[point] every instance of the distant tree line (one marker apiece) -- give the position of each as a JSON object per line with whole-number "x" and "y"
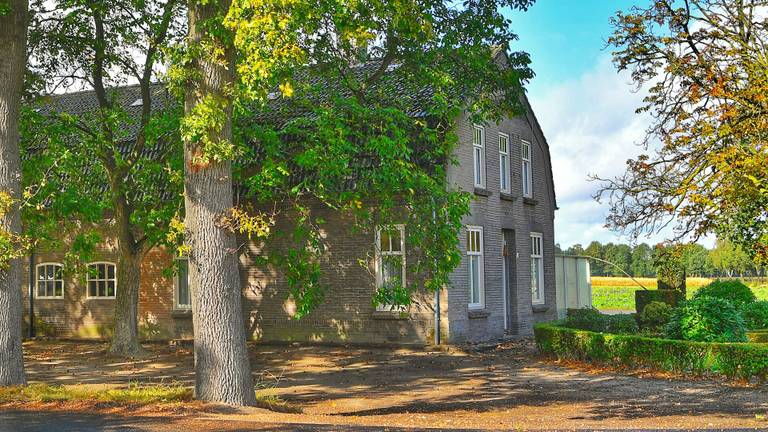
{"x": 724, "y": 260}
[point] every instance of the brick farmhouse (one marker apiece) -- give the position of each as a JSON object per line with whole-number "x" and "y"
{"x": 505, "y": 283}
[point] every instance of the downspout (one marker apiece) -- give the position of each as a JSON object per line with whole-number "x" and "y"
{"x": 32, "y": 293}
{"x": 437, "y": 291}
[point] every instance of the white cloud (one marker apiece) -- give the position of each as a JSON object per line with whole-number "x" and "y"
{"x": 592, "y": 128}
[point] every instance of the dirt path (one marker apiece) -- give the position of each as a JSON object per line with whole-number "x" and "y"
{"x": 509, "y": 388}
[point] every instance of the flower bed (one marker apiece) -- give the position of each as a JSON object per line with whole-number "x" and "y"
{"x": 748, "y": 361}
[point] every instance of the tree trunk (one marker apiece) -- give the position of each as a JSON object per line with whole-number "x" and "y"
{"x": 13, "y": 42}
{"x": 125, "y": 339}
{"x": 222, "y": 369}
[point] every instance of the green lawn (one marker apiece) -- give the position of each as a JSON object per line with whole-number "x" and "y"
{"x": 623, "y": 297}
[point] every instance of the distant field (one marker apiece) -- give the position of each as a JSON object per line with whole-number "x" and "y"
{"x": 619, "y": 293}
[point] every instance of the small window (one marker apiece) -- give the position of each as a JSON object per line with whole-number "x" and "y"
{"x": 390, "y": 260}
{"x": 476, "y": 267}
{"x": 50, "y": 281}
{"x": 182, "y": 294}
{"x": 102, "y": 280}
{"x": 537, "y": 269}
{"x": 504, "y": 163}
{"x": 478, "y": 155}
{"x": 527, "y": 169}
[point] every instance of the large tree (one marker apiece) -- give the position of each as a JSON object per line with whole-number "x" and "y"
{"x": 13, "y": 45}
{"x": 378, "y": 85}
{"x": 705, "y": 66}
{"x": 126, "y": 140}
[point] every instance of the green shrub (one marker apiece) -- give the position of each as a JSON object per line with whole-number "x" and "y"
{"x": 741, "y": 361}
{"x": 586, "y": 319}
{"x": 591, "y": 319}
{"x": 646, "y": 297}
{"x": 734, "y": 291}
{"x": 621, "y": 324}
{"x": 655, "y": 315}
{"x": 756, "y": 315}
{"x": 706, "y": 319}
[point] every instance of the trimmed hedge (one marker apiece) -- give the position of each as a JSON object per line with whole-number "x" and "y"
{"x": 733, "y": 360}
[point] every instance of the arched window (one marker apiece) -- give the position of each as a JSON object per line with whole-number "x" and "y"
{"x": 50, "y": 281}
{"x": 102, "y": 280}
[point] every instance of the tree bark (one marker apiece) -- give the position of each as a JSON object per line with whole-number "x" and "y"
{"x": 125, "y": 339}
{"x": 13, "y": 43}
{"x": 222, "y": 369}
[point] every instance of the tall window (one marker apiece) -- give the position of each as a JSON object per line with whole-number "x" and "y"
{"x": 183, "y": 297}
{"x": 478, "y": 152}
{"x": 390, "y": 259}
{"x": 50, "y": 281}
{"x": 527, "y": 171}
{"x": 537, "y": 269}
{"x": 102, "y": 281}
{"x": 476, "y": 267}
{"x": 504, "y": 163}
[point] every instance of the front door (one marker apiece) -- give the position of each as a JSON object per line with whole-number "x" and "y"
{"x": 509, "y": 260}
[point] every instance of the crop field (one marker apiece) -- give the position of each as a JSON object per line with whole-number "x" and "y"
{"x": 618, "y": 293}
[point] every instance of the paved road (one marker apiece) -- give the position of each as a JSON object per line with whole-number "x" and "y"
{"x": 23, "y": 421}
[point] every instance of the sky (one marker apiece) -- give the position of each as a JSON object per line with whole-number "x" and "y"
{"x": 585, "y": 107}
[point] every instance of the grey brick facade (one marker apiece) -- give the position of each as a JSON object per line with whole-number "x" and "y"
{"x": 348, "y": 315}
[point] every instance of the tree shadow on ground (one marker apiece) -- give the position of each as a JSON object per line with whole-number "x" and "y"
{"x": 354, "y": 381}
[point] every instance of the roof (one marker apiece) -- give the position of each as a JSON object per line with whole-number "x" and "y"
{"x": 278, "y": 111}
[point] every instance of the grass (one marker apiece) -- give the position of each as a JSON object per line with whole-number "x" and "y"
{"x": 134, "y": 394}
{"x": 619, "y": 293}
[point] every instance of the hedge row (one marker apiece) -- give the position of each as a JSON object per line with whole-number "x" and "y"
{"x": 734, "y": 360}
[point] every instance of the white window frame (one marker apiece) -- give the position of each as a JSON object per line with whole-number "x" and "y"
{"x": 537, "y": 259}
{"x": 89, "y": 278}
{"x": 176, "y": 304}
{"x": 37, "y": 281}
{"x": 504, "y": 170}
{"x": 526, "y": 156}
{"x": 478, "y": 151}
{"x": 480, "y": 303}
{"x": 380, "y": 254}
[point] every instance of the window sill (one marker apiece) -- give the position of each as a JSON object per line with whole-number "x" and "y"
{"x": 540, "y": 307}
{"x": 506, "y": 197}
{"x": 181, "y": 313}
{"x": 482, "y": 191}
{"x": 531, "y": 201}
{"x": 48, "y": 298}
{"x": 390, "y": 315}
{"x": 478, "y": 313}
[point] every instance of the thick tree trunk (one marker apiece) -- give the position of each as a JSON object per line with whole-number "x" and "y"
{"x": 222, "y": 368}
{"x": 125, "y": 340}
{"x": 13, "y": 42}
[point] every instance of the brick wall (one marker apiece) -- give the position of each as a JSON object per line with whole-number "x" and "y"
{"x": 496, "y": 213}
{"x": 347, "y": 315}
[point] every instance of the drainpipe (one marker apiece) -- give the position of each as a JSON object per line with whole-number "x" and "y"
{"x": 32, "y": 293}
{"x": 437, "y": 292}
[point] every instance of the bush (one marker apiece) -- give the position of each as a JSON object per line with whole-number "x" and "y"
{"x": 655, "y": 316}
{"x": 646, "y": 297}
{"x": 706, "y": 319}
{"x": 732, "y": 290}
{"x": 741, "y": 361}
{"x": 756, "y": 315}
{"x": 591, "y": 319}
{"x": 586, "y": 319}
{"x": 621, "y": 324}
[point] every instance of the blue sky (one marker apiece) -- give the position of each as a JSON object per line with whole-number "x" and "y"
{"x": 586, "y": 108}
